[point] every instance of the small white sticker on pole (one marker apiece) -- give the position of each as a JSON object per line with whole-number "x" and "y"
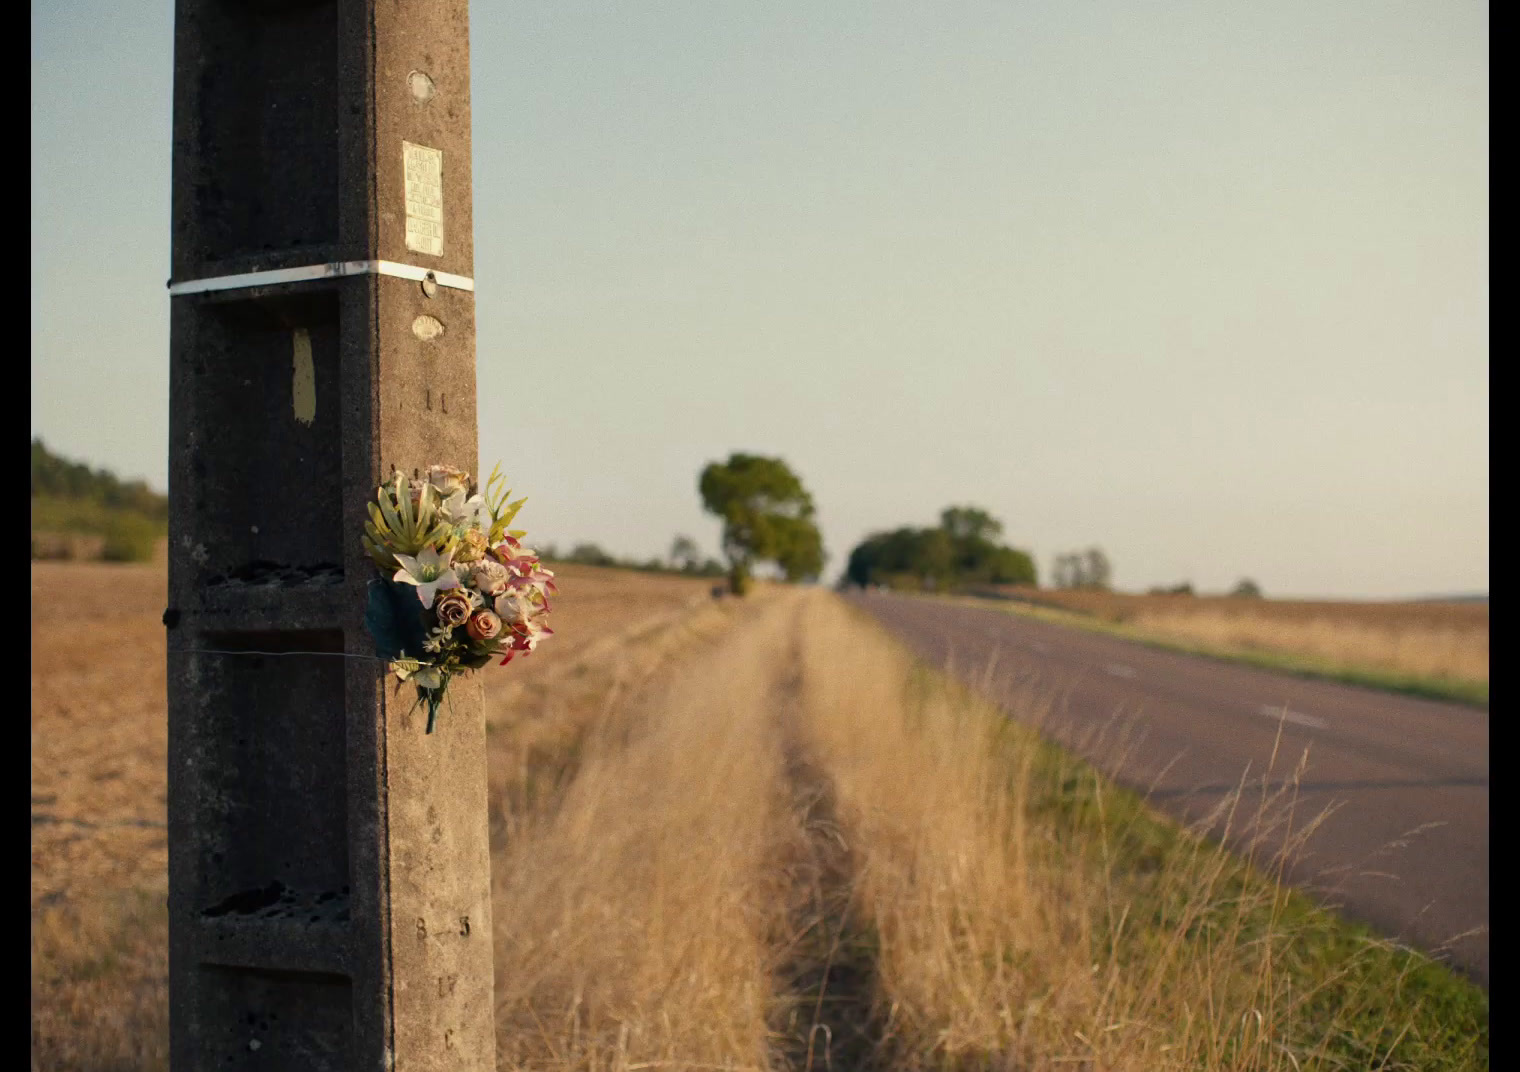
{"x": 424, "y": 198}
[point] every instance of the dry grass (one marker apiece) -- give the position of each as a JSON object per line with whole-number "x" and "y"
{"x": 795, "y": 849}
{"x": 635, "y": 907}
{"x": 1124, "y": 607}
{"x": 100, "y": 981}
{"x": 756, "y": 835}
{"x": 1025, "y": 916}
{"x": 1439, "y": 641}
{"x": 99, "y": 854}
{"x": 99, "y": 748}
{"x": 1455, "y": 649}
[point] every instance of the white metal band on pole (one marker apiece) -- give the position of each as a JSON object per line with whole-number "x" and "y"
{"x": 310, "y": 272}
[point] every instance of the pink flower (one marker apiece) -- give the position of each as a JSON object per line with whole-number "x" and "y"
{"x": 524, "y": 638}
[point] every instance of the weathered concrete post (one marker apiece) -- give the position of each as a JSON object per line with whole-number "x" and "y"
{"x": 329, "y": 874}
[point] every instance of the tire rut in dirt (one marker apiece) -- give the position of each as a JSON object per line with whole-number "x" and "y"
{"x": 831, "y": 1025}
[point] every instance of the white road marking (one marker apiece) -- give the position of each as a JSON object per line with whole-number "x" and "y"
{"x": 1292, "y": 716}
{"x": 1119, "y": 671}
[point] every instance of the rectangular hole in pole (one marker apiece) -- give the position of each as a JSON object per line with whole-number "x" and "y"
{"x": 268, "y": 126}
{"x": 273, "y": 782}
{"x": 268, "y": 465}
{"x": 253, "y": 1019}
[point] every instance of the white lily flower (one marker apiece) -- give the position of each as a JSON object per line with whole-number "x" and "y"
{"x": 457, "y": 510}
{"x": 429, "y": 571}
{"x": 480, "y": 512}
{"x": 453, "y": 507}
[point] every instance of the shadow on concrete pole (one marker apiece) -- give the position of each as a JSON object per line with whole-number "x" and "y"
{"x": 329, "y": 865}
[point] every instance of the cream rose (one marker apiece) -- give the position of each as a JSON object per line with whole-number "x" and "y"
{"x": 447, "y": 479}
{"x": 513, "y": 607}
{"x": 490, "y": 577}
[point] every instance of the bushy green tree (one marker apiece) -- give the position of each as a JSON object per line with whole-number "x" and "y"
{"x": 962, "y": 550}
{"x": 925, "y": 556}
{"x": 767, "y": 516}
{"x": 970, "y": 523}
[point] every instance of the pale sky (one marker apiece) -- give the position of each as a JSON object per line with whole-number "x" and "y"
{"x": 1203, "y": 284}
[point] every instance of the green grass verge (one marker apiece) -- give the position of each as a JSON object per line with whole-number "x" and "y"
{"x": 1455, "y": 690}
{"x": 1338, "y": 995}
{"x": 125, "y": 535}
{"x": 1366, "y": 1002}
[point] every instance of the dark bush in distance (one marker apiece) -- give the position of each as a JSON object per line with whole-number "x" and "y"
{"x": 961, "y": 551}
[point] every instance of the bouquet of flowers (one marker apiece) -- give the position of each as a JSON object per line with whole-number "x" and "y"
{"x": 459, "y": 587}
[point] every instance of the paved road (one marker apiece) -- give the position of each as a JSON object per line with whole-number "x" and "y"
{"x": 1390, "y": 764}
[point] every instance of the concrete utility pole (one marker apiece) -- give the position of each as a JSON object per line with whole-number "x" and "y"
{"x": 329, "y": 862}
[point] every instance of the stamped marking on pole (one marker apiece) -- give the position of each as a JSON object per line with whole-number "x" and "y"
{"x": 303, "y": 388}
{"x": 427, "y": 328}
{"x": 424, "y": 198}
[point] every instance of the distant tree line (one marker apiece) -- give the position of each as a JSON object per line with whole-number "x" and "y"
{"x": 79, "y": 512}
{"x": 1245, "y": 588}
{"x": 962, "y": 550}
{"x": 1183, "y": 589}
{"x": 63, "y": 479}
{"x": 685, "y": 558}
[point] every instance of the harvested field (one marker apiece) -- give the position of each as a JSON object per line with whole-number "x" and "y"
{"x": 99, "y": 850}
{"x": 99, "y": 749}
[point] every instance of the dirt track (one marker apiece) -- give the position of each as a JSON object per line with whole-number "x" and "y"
{"x": 1390, "y": 765}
